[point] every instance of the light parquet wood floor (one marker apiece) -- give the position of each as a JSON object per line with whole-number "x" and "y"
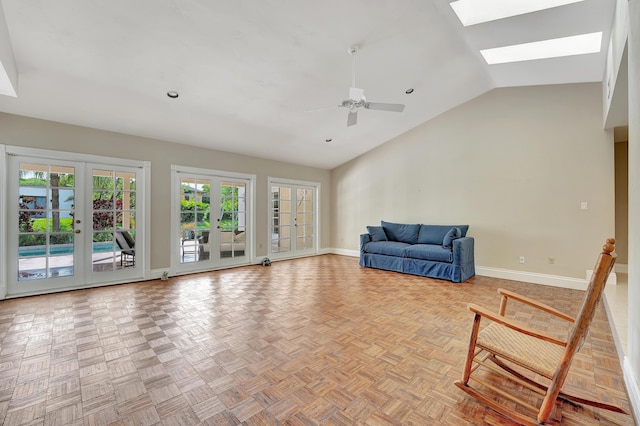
{"x": 309, "y": 341}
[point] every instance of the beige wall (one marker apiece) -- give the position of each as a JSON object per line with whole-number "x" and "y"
{"x": 28, "y": 132}
{"x": 514, "y": 164}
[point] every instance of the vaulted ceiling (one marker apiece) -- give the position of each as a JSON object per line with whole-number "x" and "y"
{"x": 248, "y": 72}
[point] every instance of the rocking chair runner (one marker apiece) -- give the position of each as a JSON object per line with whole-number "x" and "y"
{"x": 515, "y": 348}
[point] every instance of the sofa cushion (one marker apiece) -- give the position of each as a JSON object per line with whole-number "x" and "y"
{"x": 434, "y": 234}
{"x": 453, "y": 233}
{"x": 434, "y": 252}
{"x": 388, "y": 248}
{"x": 377, "y": 233}
{"x": 401, "y": 232}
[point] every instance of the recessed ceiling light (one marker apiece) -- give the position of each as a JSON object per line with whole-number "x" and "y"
{"x": 471, "y": 12}
{"x": 408, "y": 91}
{"x": 172, "y": 94}
{"x": 554, "y": 48}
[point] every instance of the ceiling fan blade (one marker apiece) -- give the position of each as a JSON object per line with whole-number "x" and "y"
{"x": 384, "y": 107}
{"x": 356, "y": 94}
{"x": 322, "y": 109}
{"x": 352, "y": 119}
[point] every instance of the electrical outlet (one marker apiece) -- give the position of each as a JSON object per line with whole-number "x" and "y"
{"x": 552, "y": 260}
{"x": 521, "y": 259}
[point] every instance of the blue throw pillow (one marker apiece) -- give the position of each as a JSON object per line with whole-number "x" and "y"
{"x": 401, "y": 232}
{"x": 433, "y": 234}
{"x": 377, "y": 233}
{"x": 463, "y": 230}
{"x": 451, "y": 235}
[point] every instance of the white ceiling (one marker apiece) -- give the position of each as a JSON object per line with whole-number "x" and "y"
{"x": 247, "y": 71}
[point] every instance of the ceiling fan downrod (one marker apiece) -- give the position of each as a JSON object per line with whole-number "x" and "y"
{"x": 352, "y": 51}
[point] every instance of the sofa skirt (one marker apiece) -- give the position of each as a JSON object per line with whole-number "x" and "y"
{"x": 423, "y": 268}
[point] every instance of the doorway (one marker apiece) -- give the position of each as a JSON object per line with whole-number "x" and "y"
{"x": 293, "y": 218}
{"x": 212, "y": 219}
{"x": 65, "y": 227}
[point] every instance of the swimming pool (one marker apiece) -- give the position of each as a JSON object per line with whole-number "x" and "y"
{"x": 62, "y": 249}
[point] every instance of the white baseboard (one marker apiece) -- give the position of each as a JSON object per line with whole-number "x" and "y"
{"x": 344, "y": 252}
{"x": 156, "y": 274}
{"x": 621, "y": 268}
{"x": 532, "y": 277}
{"x": 632, "y": 387}
{"x": 509, "y": 274}
{"x": 614, "y": 329}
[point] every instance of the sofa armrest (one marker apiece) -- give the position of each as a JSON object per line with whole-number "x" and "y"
{"x": 364, "y": 239}
{"x": 463, "y": 251}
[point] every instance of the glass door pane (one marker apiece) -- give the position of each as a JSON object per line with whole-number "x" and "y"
{"x": 195, "y": 226}
{"x": 232, "y": 220}
{"x": 304, "y": 219}
{"x": 46, "y": 246}
{"x": 281, "y": 219}
{"x": 113, "y": 220}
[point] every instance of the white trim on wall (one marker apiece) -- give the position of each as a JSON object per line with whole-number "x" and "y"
{"x": 621, "y": 268}
{"x": 532, "y": 277}
{"x": 509, "y": 274}
{"x": 3, "y": 223}
{"x": 632, "y": 387}
{"x": 146, "y": 172}
{"x": 74, "y": 156}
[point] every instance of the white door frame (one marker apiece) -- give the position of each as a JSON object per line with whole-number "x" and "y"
{"x": 142, "y": 198}
{"x": 316, "y": 217}
{"x": 3, "y": 222}
{"x": 177, "y": 268}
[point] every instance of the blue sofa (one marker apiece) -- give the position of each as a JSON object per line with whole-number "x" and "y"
{"x": 435, "y": 251}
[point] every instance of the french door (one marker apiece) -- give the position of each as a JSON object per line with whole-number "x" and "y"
{"x": 292, "y": 219}
{"x": 67, "y": 223}
{"x": 212, "y": 220}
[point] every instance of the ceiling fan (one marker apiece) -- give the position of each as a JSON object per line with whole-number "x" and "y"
{"x": 357, "y": 100}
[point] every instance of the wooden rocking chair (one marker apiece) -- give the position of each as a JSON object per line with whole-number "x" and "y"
{"x": 514, "y": 350}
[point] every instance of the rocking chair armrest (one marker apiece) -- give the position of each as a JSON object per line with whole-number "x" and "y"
{"x": 514, "y": 325}
{"x": 532, "y": 302}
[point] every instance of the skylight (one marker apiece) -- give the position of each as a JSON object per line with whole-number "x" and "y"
{"x": 6, "y": 85}
{"x": 554, "y": 48}
{"x": 471, "y": 12}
